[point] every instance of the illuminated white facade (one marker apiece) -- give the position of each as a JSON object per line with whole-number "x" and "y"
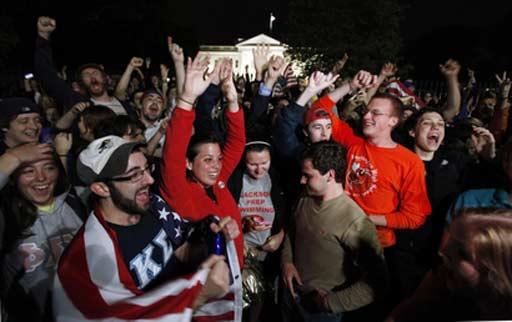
{"x": 241, "y": 53}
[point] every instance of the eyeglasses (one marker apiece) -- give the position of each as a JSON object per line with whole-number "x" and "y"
{"x": 137, "y": 174}
{"x": 373, "y": 113}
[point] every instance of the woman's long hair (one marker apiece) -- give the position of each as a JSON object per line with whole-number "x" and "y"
{"x": 488, "y": 238}
{"x": 20, "y": 214}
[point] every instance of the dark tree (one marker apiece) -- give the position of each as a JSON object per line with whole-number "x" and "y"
{"x": 320, "y": 31}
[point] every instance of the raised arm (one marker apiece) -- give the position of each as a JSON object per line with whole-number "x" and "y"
{"x": 259, "y": 103}
{"x": 341, "y": 131}
{"x": 291, "y": 117}
{"x": 500, "y": 120}
{"x": 13, "y": 158}
{"x": 45, "y": 70}
{"x": 122, "y": 85}
{"x": 362, "y": 80}
{"x": 179, "y": 64}
{"x": 340, "y": 63}
{"x": 318, "y": 81}
{"x": 451, "y": 70}
{"x": 204, "y": 123}
{"x": 235, "y": 139}
{"x": 388, "y": 70}
{"x": 178, "y": 134}
{"x": 260, "y": 57}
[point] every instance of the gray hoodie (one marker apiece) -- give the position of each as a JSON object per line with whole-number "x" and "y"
{"x": 33, "y": 261}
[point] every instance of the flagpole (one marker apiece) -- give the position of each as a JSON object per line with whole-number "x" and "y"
{"x": 272, "y": 18}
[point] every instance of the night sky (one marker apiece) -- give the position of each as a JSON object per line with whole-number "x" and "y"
{"x": 475, "y": 33}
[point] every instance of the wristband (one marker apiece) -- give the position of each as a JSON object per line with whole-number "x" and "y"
{"x": 184, "y": 100}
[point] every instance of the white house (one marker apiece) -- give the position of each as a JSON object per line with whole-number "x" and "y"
{"x": 241, "y": 53}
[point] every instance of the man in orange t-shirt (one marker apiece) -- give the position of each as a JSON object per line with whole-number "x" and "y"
{"x": 384, "y": 178}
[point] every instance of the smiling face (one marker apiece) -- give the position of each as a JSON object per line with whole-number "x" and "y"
{"x": 429, "y": 132}
{"x": 207, "y": 164}
{"x": 37, "y": 181}
{"x": 25, "y": 128}
{"x": 378, "y": 119}
{"x": 257, "y": 163}
{"x": 132, "y": 196}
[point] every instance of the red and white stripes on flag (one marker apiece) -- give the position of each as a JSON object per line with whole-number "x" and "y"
{"x": 398, "y": 89}
{"x": 94, "y": 284}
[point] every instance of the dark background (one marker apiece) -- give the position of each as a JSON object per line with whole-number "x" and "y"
{"x": 111, "y": 32}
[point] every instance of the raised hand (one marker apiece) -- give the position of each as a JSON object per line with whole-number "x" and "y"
{"x": 388, "y": 70}
{"x": 136, "y": 62}
{"x": 260, "y": 54}
{"x": 45, "y": 26}
{"x": 63, "y": 142}
{"x": 450, "y": 69}
{"x": 318, "y": 81}
{"x": 471, "y": 74}
{"x": 176, "y": 51}
{"x": 164, "y": 72}
{"x": 276, "y": 67}
{"x": 504, "y": 83}
{"x": 363, "y": 79}
{"x": 196, "y": 80}
{"x": 215, "y": 77}
{"x": 291, "y": 79}
{"x": 483, "y": 142}
{"x": 340, "y": 63}
{"x": 227, "y": 85}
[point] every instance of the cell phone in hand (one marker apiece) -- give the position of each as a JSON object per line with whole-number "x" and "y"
{"x": 29, "y": 76}
{"x": 259, "y": 220}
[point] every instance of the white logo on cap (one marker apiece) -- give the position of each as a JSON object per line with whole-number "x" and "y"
{"x": 25, "y": 109}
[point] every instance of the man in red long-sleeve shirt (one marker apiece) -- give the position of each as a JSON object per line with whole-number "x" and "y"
{"x": 384, "y": 178}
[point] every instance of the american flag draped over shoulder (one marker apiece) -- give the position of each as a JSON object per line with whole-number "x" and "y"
{"x": 94, "y": 284}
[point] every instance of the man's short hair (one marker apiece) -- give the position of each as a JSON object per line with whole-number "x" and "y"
{"x": 88, "y": 65}
{"x": 327, "y": 155}
{"x": 413, "y": 120}
{"x": 396, "y": 103}
{"x": 149, "y": 92}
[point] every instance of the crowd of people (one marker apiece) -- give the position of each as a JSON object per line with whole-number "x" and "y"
{"x": 202, "y": 195}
